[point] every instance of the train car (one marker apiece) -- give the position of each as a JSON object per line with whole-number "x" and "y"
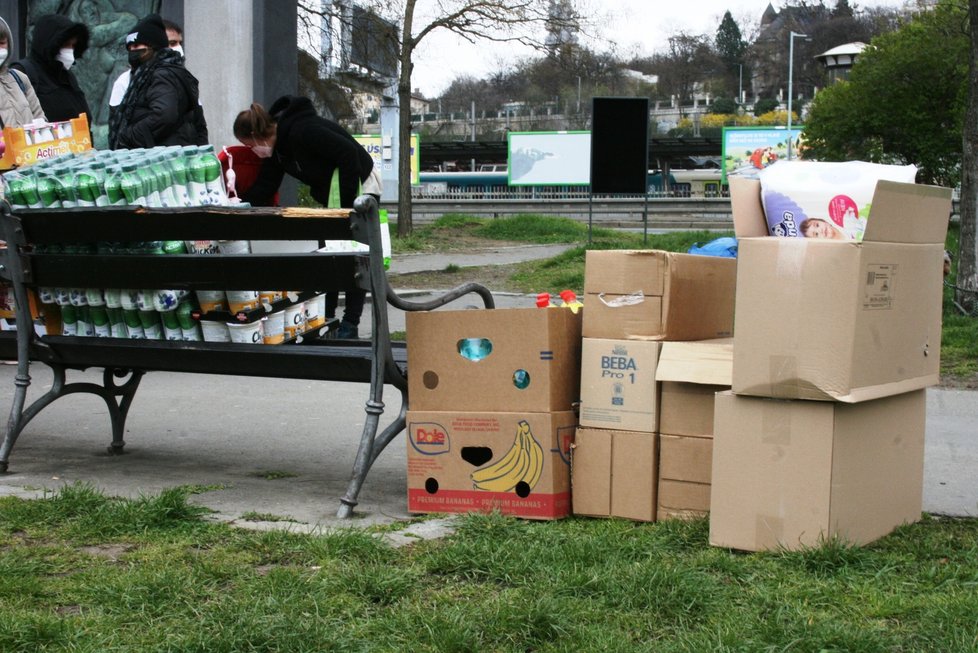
{"x": 494, "y": 184}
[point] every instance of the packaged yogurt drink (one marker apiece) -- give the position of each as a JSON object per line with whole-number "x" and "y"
{"x": 816, "y": 199}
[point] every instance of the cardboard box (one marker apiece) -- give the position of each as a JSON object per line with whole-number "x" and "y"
{"x": 840, "y": 320}
{"x": 689, "y": 374}
{"x": 649, "y": 294}
{"x": 685, "y": 473}
{"x": 793, "y": 473}
{"x": 614, "y": 474}
{"x": 517, "y": 463}
{"x": 532, "y": 364}
{"x": 686, "y": 458}
{"x": 29, "y": 144}
{"x": 618, "y": 389}
{"x": 683, "y": 499}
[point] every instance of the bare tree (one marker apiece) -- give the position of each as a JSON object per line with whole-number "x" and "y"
{"x": 520, "y": 21}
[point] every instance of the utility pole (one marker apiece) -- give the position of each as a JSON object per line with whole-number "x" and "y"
{"x": 791, "y": 63}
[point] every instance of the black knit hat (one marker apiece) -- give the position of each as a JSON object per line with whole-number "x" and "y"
{"x": 149, "y": 31}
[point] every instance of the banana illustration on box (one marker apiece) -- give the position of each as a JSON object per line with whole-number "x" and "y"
{"x": 523, "y": 462}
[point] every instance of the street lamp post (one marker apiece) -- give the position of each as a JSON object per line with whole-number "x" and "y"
{"x": 791, "y": 67}
{"x": 740, "y": 89}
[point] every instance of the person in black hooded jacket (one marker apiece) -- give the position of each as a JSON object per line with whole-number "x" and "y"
{"x": 161, "y": 105}
{"x": 56, "y": 43}
{"x": 293, "y": 139}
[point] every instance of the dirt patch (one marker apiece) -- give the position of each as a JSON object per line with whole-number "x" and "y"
{"x": 111, "y": 552}
{"x": 493, "y": 277}
{"x": 959, "y": 382}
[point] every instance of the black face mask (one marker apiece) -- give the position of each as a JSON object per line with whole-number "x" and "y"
{"x": 135, "y": 58}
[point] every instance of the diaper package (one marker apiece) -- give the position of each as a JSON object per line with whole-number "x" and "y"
{"x": 814, "y": 199}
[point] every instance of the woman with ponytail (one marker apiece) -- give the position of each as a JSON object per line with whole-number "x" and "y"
{"x": 291, "y": 138}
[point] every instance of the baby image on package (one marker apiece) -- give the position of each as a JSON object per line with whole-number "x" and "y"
{"x": 814, "y": 199}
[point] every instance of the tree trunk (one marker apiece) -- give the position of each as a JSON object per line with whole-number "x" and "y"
{"x": 405, "y": 221}
{"x": 967, "y": 278}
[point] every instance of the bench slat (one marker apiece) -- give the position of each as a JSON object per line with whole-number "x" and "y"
{"x": 344, "y": 361}
{"x": 198, "y": 223}
{"x": 309, "y": 271}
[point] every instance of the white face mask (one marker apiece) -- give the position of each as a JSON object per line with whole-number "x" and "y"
{"x": 178, "y": 49}
{"x": 262, "y": 151}
{"x": 4, "y": 53}
{"x": 66, "y": 56}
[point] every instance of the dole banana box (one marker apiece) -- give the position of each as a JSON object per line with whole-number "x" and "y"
{"x": 516, "y": 463}
{"x": 656, "y": 295}
{"x": 513, "y": 360}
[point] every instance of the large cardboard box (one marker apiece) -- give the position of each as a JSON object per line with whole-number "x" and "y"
{"x": 514, "y": 360}
{"x": 613, "y": 474}
{"x": 517, "y": 463}
{"x": 793, "y": 473}
{"x": 841, "y": 320}
{"x": 618, "y": 389}
{"x": 689, "y": 375}
{"x": 650, "y": 294}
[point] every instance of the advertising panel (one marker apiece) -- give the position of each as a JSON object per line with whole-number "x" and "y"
{"x": 374, "y": 144}
{"x": 749, "y": 149}
{"x": 549, "y": 158}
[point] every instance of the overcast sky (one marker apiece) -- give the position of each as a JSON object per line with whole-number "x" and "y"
{"x": 638, "y": 27}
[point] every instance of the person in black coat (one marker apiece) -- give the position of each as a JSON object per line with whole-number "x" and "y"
{"x": 56, "y": 43}
{"x": 161, "y": 105}
{"x": 293, "y": 139}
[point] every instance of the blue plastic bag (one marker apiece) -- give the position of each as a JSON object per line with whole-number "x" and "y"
{"x": 726, "y": 247}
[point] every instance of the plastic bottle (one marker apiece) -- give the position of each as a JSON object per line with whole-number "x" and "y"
{"x": 65, "y": 178}
{"x": 177, "y": 163}
{"x": 151, "y": 186}
{"x": 86, "y": 188}
{"x": 14, "y": 191}
{"x": 113, "y": 186}
{"x": 47, "y": 191}
{"x": 69, "y": 320}
{"x": 134, "y": 326}
{"x": 100, "y": 322}
{"x": 196, "y": 176}
{"x": 95, "y": 297}
{"x": 188, "y": 325}
{"x": 84, "y": 325}
{"x": 171, "y": 326}
{"x": 29, "y": 191}
{"x": 168, "y": 195}
{"x": 214, "y": 181}
{"x": 117, "y": 323}
{"x": 151, "y": 325}
{"x": 132, "y": 186}
{"x": 97, "y": 169}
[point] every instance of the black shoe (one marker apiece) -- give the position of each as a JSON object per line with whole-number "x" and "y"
{"x": 347, "y": 331}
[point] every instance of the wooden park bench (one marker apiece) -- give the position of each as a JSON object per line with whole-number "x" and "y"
{"x": 28, "y": 267}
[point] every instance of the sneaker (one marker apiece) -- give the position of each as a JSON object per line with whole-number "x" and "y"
{"x": 347, "y": 331}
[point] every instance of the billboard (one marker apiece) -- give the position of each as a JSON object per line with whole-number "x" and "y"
{"x": 373, "y": 42}
{"x": 746, "y": 150}
{"x": 374, "y": 144}
{"x": 549, "y": 158}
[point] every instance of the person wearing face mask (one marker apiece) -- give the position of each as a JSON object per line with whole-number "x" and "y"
{"x": 18, "y": 102}
{"x": 56, "y": 43}
{"x": 161, "y": 105}
{"x": 293, "y": 139}
{"x": 174, "y": 39}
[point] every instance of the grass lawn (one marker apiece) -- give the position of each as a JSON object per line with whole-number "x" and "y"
{"x": 84, "y": 573}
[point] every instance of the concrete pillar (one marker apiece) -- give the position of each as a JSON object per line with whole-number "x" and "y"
{"x": 229, "y": 46}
